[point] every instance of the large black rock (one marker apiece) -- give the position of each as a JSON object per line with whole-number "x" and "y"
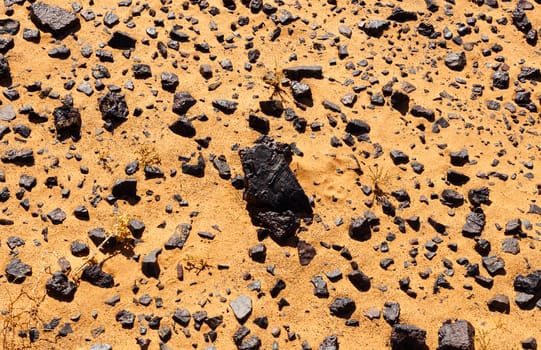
{"x": 456, "y": 336}
{"x": 274, "y": 196}
{"x": 113, "y": 108}
{"x": 67, "y": 121}
{"x": 96, "y": 276}
{"x": 60, "y": 287}
{"x": 53, "y": 19}
{"x": 408, "y": 337}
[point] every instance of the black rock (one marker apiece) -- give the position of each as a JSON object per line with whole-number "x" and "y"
{"x": 520, "y": 20}
{"x": 183, "y": 127}
{"x": 300, "y": 90}
{"x": 475, "y": 223}
{"x": 258, "y": 253}
{"x": 150, "y": 266}
{"x": 357, "y": 127}
{"x": 125, "y": 318}
{"x": 122, "y": 41}
{"x": 420, "y": 111}
{"x": 197, "y": 170}
{"x": 329, "y": 343}
{"x": 529, "y": 343}
{"x": 431, "y": 5}
{"x": 81, "y": 213}
{"x": 17, "y": 271}
{"x": 79, "y": 249}
{"x": 478, "y": 196}
{"x": 60, "y": 287}
{"x": 21, "y": 156}
{"x": 459, "y": 158}
{"x": 274, "y": 108}
{"x": 5, "y": 72}
{"x": 499, "y": 303}
{"x": 320, "y": 287}
{"x": 399, "y": 157}
{"x": 67, "y": 121}
{"x": 530, "y": 283}
{"x": 400, "y": 101}
{"x": 9, "y": 26}
{"x": 53, "y": 19}
{"x": 342, "y": 307}
{"x": 178, "y": 35}
{"x": 252, "y": 343}
{"x": 299, "y": 72}
{"x": 220, "y": 163}
{"x": 456, "y": 336}
{"x": 456, "y": 178}
{"x": 513, "y": 227}
{"x": 182, "y": 317}
{"x": 169, "y": 81}
{"x": 6, "y": 44}
{"x": 306, "y": 252}
{"x": 426, "y": 29}
{"x": 179, "y": 237}
{"x": 113, "y": 107}
{"x": 27, "y": 182}
{"x": 391, "y": 312}
{"x": 494, "y": 265}
{"x": 360, "y": 229}
{"x": 136, "y": 227}
{"x": 57, "y": 216}
{"x": 182, "y": 102}
{"x": 400, "y": 15}
{"x": 451, "y": 198}
{"x": 529, "y": 73}
{"x": 408, "y": 337}
{"x": 61, "y": 52}
{"x": 455, "y": 60}
{"x": 225, "y": 106}
{"x": 110, "y": 19}
{"x": 125, "y": 189}
{"x": 258, "y": 123}
{"x": 375, "y": 28}
{"x": 278, "y": 286}
{"x": 500, "y": 79}
{"x": 96, "y": 276}
{"x": 271, "y": 190}
{"x": 132, "y": 167}
{"x": 359, "y": 280}
{"x": 141, "y": 71}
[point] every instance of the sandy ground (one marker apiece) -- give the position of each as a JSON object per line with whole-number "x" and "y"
{"x": 326, "y": 173}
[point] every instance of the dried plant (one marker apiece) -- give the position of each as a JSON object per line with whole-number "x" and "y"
{"x": 379, "y": 179}
{"x": 104, "y": 159}
{"x": 197, "y": 264}
{"x": 120, "y": 232}
{"x": 148, "y": 155}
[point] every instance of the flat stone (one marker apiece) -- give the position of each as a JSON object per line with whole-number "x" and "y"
{"x": 53, "y": 19}
{"x": 242, "y": 307}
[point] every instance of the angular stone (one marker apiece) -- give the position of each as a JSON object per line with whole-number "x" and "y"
{"x": 359, "y": 280}
{"x": 125, "y": 189}
{"x": 67, "y": 121}
{"x": 494, "y": 265}
{"x": 499, "y": 303}
{"x": 455, "y": 60}
{"x": 475, "y": 223}
{"x": 391, "y": 312}
{"x": 300, "y": 72}
{"x": 113, "y": 106}
{"x": 225, "y": 106}
{"x": 408, "y": 337}
{"x": 320, "y": 287}
{"x": 375, "y": 27}
{"x": 357, "y": 127}
{"x": 9, "y": 26}
{"x": 150, "y": 266}
{"x": 21, "y": 156}
{"x": 329, "y": 343}
{"x": 17, "y": 271}
{"x": 59, "y": 287}
{"x": 53, "y": 19}
{"x": 179, "y": 237}
{"x": 456, "y": 336}
{"x": 96, "y": 276}
{"x": 183, "y": 127}
{"x": 122, "y": 41}
{"x": 306, "y": 252}
{"x": 342, "y": 307}
{"x": 57, "y": 216}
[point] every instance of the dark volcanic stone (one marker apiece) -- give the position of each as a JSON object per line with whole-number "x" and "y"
{"x": 452, "y": 198}
{"x": 281, "y": 226}
{"x": 478, "y": 196}
{"x": 420, "y": 111}
{"x": 169, "y": 81}
{"x": 274, "y": 108}
{"x": 360, "y": 229}
{"x": 306, "y": 252}
{"x": 499, "y": 303}
{"x": 57, "y": 216}
{"x": 359, "y": 280}
{"x": 520, "y": 20}
{"x": 17, "y": 271}
{"x": 182, "y": 317}
{"x": 5, "y": 72}
{"x": 53, "y": 19}
{"x": 278, "y": 286}
{"x": 342, "y": 307}
{"x": 79, "y": 249}
{"x": 329, "y": 343}
{"x": 62, "y": 52}
{"x": 320, "y": 287}
{"x": 9, "y": 26}
{"x": 299, "y": 72}
{"x": 125, "y": 318}
{"x": 60, "y": 287}
{"x": 530, "y": 283}
{"x": 81, "y": 213}
{"x": 456, "y": 336}
{"x": 96, "y": 276}
{"x": 391, "y": 312}
{"x": 252, "y": 343}
{"x": 500, "y": 79}
{"x": 494, "y": 265}
{"x": 125, "y": 188}
{"x": 455, "y": 61}
{"x": 122, "y": 41}
{"x": 136, "y": 227}
{"x": 259, "y": 123}
{"x": 400, "y": 15}
{"x": 22, "y": 156}
{"x": 408, "y": 337}
{"x": 6, "y": 44}
{"x": 182, "y": 102}
{"x": 301, "y": 90}
{"x": 183, "y": 127}
{"x": 513, "y": 227}
{"x": 225, "y": 106}
{"x": 475, "y": 223}
{"x": 113, "y": 106}
{"x": 270, "y": 183}
{"x": 141, "y": 71}
{"x": 456, "y": 178}
{"x": 375, "y": 28}
{"x": 67, "y": 121}
{"x": 357, "y": 127}
{"x": 220, "y": 163}
{"x": 150, "y": 266}
{"x": 197, "y": 170}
